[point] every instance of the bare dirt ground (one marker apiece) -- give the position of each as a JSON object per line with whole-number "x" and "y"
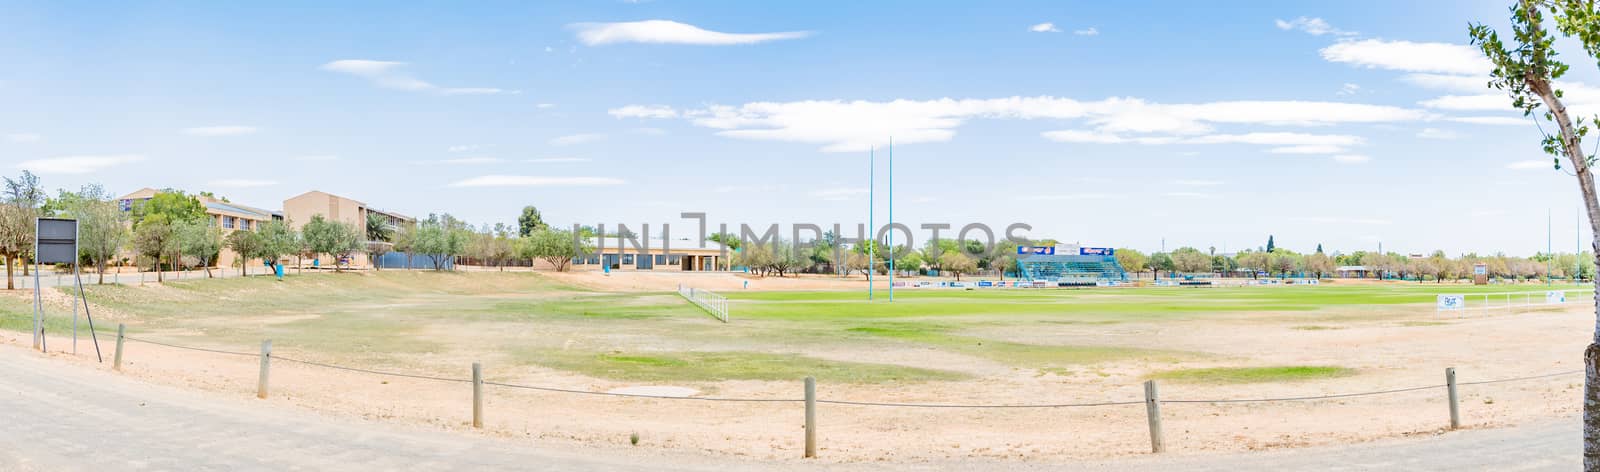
{"x": 1390, "y": 348}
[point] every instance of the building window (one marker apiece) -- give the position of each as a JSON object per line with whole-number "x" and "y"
{"x": 674, "y": 260}
{"x": 227, "y": 222}
{"x": 660, "y": 259}
{"x": 627, "y": 258}
{"x": 244, "y": 225}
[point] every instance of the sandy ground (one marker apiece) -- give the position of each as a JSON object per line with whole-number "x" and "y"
{"x": 1406, "y": 348}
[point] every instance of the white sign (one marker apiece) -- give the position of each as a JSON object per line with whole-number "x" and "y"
{"x": 1452, "y": 302}
{"x": 1555, "y": 296}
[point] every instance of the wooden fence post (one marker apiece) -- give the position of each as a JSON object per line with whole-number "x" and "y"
{"x": 477, "y": 395}
{"x": 1455, "y": 408}
{"x": 116, "y": 362}
{"x": 266, "y": 365}
{"x": 811, "y": 417}
{"x": 1152, "y": 408}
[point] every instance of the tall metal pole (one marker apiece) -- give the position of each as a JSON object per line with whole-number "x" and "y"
{"x": 1548, "y": 253}
{"x": 891, "y": 219}
{"x": 872, "y": 228}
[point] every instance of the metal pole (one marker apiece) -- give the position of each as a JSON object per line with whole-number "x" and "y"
{"x": 891, "y": 219}
{"x": 93, "y": 337}
{"x": 1455, "y": 410}
{"x": 74, "y": 308}
{"x": 811, "y": 417}
{"x": 38, "y": 309}
{"x": 872, "y": 227}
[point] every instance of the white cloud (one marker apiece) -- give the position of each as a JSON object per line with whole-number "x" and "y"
{"x": 220, "y": 130}
{"x": 1436, "y": 133}
{"x": 390, "y": 75}
{"x": 318, "y": 158}
{"x": 472, "y": 160}
{"x": 545, "y": 106}
{"x": 1198, "y": 183}
{"x": 1312, "y": 26}
{"x": 1490, "y": 120}
{"x": 670, "y": 32}
{"x": 1459, "y": 83}
{"x": 1092, "y": 31}
{"x": 1044, "y": 28}
{"x": 1340, "y": 220}
{"x": 77, "y": 164}
{"x": 1066, "y": 197}
{"x": 1532, "y": 164}
{"x": 535, "y": 181}
{"x": 1282, "y": 139}
{"x": 1307, "y": 149}
{"x": 1351, "y": 159}
{"x": 1349, "y": 89}
{"x": 473, "y": 91}
{"x": 1469, "y": 102}
{"x": 854, "y": 126}
{"x": 24, "y": 137}
{"x": 1408, "y": 56}
{"x": 838, "y": 194}
{"x": 240, "y": 183}
{"x": 579, "y": 138}
{"x": 464, "y": 148}
{"x": 650, "y": 131}
{"x": 643, "y": 111}
{"x": 552, "y": 160}
{"x": 1186, "y": 195}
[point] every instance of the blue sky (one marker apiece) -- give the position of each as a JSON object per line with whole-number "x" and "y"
{"x": 1342, "y": 123}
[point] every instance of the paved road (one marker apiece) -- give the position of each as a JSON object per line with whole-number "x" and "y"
{"x": 55, "y": 416}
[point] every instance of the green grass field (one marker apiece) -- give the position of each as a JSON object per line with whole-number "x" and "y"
{"x": 412, "y": 318}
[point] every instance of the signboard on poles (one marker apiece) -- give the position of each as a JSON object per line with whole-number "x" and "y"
{"x": 55, "y": 241}
{"x": 1452, "y": 302}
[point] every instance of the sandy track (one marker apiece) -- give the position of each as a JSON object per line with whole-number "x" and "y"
{"x": 63, "y": 417}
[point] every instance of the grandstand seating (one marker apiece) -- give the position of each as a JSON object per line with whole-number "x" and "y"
{"x": 1071, "y": 267}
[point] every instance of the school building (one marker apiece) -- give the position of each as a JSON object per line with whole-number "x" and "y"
{"x": 299, "y": 209}
{"x": 227, "y": 215}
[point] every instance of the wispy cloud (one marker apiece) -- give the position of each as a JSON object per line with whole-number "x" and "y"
{"x": 1349, "y": 89}
{"x": 1532, "y": 164}
{"x": 535, "y": 181}
{"x": 1490, "y": 120}
{"x": 554, "y": 160}
{"x": 1198, "y": 183}
{"x": 1436, "y": 133}
{"x": 317, "y": 158}
{"x": 838, "y": 194}
{"x": 1091, "y": 31}
{"x": 77, "y": 164}
{"x": 1312, "y": 26}
{"x": 220, "y": 130}
{"x": 1351, "y": 159}
{"x": 579, "y": 138}
{"x": 392, "y": 75}
{"x": 1044, "y": 28}
{"x": 1067, "y": 197}
{"x": 240, "y": 183}
{"x": 643, "y": 111}
{"x": 24, "y": 137}
{"x": 464, "y": 148}
{"x": 1410, "y": 57}
{"x": 670, "y": 32}
{"x": 471, "y": 161}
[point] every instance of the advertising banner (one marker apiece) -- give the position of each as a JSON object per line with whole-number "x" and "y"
{"x": 1452, "y": 302}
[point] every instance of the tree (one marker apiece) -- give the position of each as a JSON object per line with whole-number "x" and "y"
{"x": 278, "y": 239}
{"x": 1319, "y": 248}
{"x": 1159, "y": 262}
{"x": 1319, "y": 264}
{"x": 441, "y": 237}
{"x": 530, "y": 221}
{"x": 102, "y": 226}
{"x": 1131, "y": 259}
{"x": 404, "y": 238}
{"x": 247, "y": 244}
{"x": 957, "y": 263}
{"x": 1190, "y": 260}
{"x": 334, "y": 238}
{"x": 553, "y": 246}
{"x": 22, "y": 203}
{"x": 200, "y": 239}
{"x": 154, "y": 238}
{"x": 1270, "y": 245}
{"x": 378, "y": 234}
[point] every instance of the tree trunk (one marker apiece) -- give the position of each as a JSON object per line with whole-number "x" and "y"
{"x": 10, "y": 281}
{"x": 100, "y": 266}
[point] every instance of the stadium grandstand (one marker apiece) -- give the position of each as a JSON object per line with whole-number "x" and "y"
{"x": 1069, "y": 264}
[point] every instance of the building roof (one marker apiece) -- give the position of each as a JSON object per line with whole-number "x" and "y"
{"x": 1350, "y": 268}
{"x": 656, "y": 244}
{"x": 238, "y": 210}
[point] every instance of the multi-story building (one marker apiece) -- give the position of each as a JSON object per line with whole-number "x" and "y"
{"x": 228, "y": 215}
{"x": 299, "y": 209}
